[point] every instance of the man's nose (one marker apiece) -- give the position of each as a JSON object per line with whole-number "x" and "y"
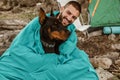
{"x": 70, "y": 18}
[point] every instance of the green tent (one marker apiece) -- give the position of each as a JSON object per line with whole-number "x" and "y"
{"x": 104, "y": 13}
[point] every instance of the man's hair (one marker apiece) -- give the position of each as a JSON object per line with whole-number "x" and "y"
{"x": 75, "y": 4}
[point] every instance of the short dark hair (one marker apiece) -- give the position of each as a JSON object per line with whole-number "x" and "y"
{"x": 74, "y": 4}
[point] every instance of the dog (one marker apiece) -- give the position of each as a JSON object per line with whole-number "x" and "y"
{"x": 52, "y": 32}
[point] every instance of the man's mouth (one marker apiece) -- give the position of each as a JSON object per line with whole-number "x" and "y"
{"x": 65, "y": 21}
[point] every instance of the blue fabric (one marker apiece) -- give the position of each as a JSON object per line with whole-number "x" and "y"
{"x": 25, "y": 59}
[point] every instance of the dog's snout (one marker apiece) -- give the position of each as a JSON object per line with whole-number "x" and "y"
{"x": 68, "y": 32}
{"x": 65, "y": 34}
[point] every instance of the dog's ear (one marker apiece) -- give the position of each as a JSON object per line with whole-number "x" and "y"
{"x": 42, "y": 15}
{"x": 51, "y": 13}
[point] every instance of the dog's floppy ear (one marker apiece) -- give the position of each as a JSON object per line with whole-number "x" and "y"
{"x": 42, "y": 15}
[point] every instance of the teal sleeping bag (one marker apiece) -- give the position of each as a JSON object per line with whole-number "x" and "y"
{"x": 25, "y": 59}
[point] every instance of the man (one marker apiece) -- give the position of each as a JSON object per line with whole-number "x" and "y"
{"x": 69, "y": 13}
{"x": 25, "y": 59}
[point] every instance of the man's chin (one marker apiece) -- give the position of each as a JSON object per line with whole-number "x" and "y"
{"x": 64, "y": 24}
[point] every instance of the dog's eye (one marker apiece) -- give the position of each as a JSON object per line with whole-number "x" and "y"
{"x": 56, "y": 23}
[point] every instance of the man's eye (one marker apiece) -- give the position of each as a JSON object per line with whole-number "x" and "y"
{"x": 68, "y": 12}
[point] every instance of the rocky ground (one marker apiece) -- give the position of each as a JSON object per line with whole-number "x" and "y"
{"x": 103, "y": 50}
{"x": 104, "y": 53}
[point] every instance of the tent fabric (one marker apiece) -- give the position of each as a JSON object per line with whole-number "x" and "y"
{"x": 104, "y": 13}
{"x": 25, "y": 59}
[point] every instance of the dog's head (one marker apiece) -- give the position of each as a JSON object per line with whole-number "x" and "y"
{"x": 51, "y": 27}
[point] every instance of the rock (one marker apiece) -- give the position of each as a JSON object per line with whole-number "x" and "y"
{"x": 112, "y": 37}
{"x": 104, "y": 63}
{"x": 115, "y": 46}
{"x": 112, "y": 55}
{"x": 118, "y": 62}
{"x": 95, "y": 33}
{"x": 103, "y": 74}
{"x": 12, "y": 22}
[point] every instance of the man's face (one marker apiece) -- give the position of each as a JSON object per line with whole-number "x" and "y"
{"x": 68, "y": 15}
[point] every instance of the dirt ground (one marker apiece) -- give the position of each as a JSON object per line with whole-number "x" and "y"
{"x": 98, "y": 45}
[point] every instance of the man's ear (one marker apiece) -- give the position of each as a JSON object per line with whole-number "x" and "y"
{"x": 42, "y": 15}
{"x": 61, "y": 9}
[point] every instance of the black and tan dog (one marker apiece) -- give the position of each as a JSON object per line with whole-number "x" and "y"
{"x": 52, "y": 32}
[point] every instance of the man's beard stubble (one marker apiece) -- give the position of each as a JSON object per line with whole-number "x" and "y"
{"x": 61, "y": 19}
